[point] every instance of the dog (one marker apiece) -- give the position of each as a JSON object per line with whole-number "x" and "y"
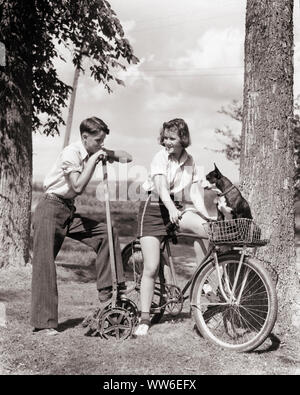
{"x": 230, "y": 202}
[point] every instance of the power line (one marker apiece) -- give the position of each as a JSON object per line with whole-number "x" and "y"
{"x": 184, "y": 75}
{"x": 155, "y": 27}
{"x": 180, "y": 15}
{"x": 192, "y": 69}
{"x": 178, "y": 70}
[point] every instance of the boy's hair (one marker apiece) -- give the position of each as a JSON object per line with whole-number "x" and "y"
{"x": 176, "y": 125}
{"x": 93, "y": 125}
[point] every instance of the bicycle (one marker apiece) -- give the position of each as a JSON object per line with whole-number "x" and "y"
{"x": 232, "y": 296}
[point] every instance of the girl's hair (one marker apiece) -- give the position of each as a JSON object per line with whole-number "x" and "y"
{"x": 176, "y": 125}
{"x": 93, "y": 125}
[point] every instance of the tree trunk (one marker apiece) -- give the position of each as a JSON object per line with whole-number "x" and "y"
{"x": 267, "y": 153}
{"x": 16, "y": 142}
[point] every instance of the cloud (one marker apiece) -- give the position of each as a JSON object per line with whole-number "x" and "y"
{"x": 162, "y": 101}
{"x": 65, "y": 68}
{"x": 193, "y": 38}
{"x": 216, "y": 48}
{"x": 133, "y": 73}
{"x": 128, "y": 26}
{"x": 212, "y": 69}
{"x": 45, "y": 152}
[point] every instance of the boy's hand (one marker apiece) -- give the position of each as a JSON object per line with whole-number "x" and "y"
{"x": 99, "y": 156}
{"x": 118, "y": 156}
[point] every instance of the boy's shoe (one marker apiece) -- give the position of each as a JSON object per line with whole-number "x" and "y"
{"x": 104, "y": 294}
{"x": 89, "y": 320}
{"x": 143, "y": 328}
{"x": 45, "y": 331}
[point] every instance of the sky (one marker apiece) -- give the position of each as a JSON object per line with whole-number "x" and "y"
{"x": 191, "y": 56}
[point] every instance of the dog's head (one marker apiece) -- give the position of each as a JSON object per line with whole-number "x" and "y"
{"x": 212, "y": 178}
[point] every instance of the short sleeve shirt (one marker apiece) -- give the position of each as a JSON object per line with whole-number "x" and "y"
{"x": 180, "y": 175}
{"x": 73, "y": 158}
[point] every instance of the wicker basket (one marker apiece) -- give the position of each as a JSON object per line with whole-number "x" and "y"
{"x": 235, "y": 231}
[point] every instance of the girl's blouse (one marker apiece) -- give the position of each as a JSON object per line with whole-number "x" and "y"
{"x": 180, "y": 175}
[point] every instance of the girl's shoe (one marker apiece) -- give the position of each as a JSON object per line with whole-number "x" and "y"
{"x": 143, "y": 328}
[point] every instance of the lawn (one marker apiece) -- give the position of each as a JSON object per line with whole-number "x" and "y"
{"x": 173, "y": 346}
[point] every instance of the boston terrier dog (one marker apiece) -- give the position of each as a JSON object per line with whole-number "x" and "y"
{"x": 230, "y": 202}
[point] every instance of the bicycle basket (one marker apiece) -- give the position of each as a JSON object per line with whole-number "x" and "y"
{"x": 235, "y": 231}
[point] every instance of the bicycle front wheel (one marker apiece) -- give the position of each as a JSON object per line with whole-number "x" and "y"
{"x": 244, "y": 322}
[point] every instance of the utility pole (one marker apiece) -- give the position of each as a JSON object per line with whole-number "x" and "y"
{"x": 71, "y": 107}
{"x": 83, "y": 52}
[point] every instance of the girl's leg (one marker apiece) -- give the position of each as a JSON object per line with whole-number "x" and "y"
{"x": 151, "y": 253}
{"x": 191, "y": 222}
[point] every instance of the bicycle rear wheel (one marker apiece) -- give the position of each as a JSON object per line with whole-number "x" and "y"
{"x": 133, "y": 265}
{"x": 245, "y": 323}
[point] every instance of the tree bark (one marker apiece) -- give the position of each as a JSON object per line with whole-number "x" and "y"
{"x": 267, "y": 152}
{"x": 15, "y": 141}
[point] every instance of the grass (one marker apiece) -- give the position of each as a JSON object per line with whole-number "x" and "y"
{"x": 173, "y": 346}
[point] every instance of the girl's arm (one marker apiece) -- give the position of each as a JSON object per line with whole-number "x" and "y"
{"x": 160, "y": 183}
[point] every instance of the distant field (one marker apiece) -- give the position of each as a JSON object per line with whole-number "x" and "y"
{"x": 87, "y": 203}
{"x": 126, "y": 211}
{"x": 124, "y": 215}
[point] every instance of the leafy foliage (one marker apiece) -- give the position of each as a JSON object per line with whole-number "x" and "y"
{"x": 232, "y": 148}
{"x": 233, "y": 145}
{"x": 87, "y": 27}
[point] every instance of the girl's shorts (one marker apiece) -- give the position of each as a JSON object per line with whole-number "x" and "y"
{"x": 153, "y": 217}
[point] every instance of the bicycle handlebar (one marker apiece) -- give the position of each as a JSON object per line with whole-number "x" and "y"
{"x": 189, "y": 209}
{"x": 195, "y": 211}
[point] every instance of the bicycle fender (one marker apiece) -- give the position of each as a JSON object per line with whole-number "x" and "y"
{"x": 130, "y": 245}
{"x": 127, "y": 247}
{"x": 196, "y": 274}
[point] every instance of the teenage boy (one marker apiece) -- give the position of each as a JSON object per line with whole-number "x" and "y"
{"x": 54, "y": 219}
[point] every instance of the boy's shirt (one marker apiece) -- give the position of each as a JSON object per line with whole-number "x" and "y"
{"x": 73, "y": 158}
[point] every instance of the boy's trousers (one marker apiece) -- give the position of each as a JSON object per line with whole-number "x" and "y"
{"x": 53, "y": 221}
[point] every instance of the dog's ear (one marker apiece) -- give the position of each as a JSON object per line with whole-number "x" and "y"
{"x": 217, "y": 171}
